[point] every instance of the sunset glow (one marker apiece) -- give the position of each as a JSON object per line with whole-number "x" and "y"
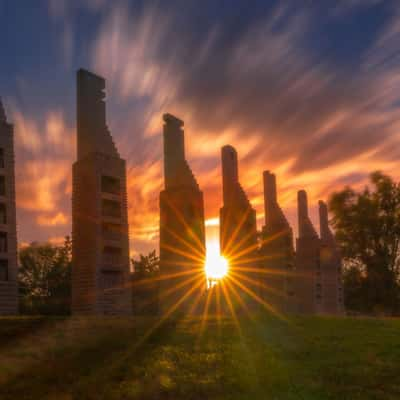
{"x": 322, "y": 146}
{"x": 216, "y": 265}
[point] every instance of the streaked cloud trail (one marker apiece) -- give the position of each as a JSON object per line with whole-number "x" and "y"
{"x": 257, "y": 81}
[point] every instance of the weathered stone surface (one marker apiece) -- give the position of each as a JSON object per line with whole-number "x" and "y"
{"x": 100, "y": 247}
{"x": 276, "y": 251}
{"x": 331, "y": 267}
{"x": 182, "y": 229}
{"x": 8, "y": 226}
{"x": 308, "y": 286}
{"x": 238, "y": 231}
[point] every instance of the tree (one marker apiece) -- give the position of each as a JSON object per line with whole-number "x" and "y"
{"x": 367, "y": 226}
{"x": 45, "y": 278}
{"x": 146, "y": 265}
{"x": 145, "y": 284}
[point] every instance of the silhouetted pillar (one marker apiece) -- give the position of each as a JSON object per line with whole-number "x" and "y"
{"x": 270, "y": 198}
{"x": 2, "y": 113}
{"x": 276, "y": 251}
{"x": 8, "y": 225}
{"x": 174, "y": 150}
{"x": 331, "y": 266}
{"x": 100, "y": 239}
{"x": 308, "y": 269}
{"x": 182, "y": 228}
{"x": 238, "y": 230}
{"x": 325, "y": 232}
{"x": 230, "y": 178}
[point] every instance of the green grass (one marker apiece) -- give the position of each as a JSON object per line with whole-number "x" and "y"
{"x": 303, "y": 358}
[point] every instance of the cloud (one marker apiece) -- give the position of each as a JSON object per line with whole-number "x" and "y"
{"x": 254, "y": 82}
{"x": 44, "y": 148}
{"x": 41, "y": 184}
{"x": 261, "y": 89}
{"x": 52, "y": 220}
{"x": 57, "y": 240}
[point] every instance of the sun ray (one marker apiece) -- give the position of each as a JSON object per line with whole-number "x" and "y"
{"x": 231, "y": 308}
{"x": 239, "y": 298}
{"x": 237, "y": 245}
{"x": 196, "y": 301}
{"x": 235, "y": 233}
{"x": 257, "y": 298}
{"x": 179, "y": 237}
{"x": 166, "y": 315}
{"x": 256, "y": 282}
{"x": 181, "y": 253}
{"x": 189, "y": 229}
{"x": 204, "y": 316}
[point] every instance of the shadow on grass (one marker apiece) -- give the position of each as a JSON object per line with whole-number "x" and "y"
{"x": 311, "y": 358}
{"x": 14, "y": 329}
{"x": 80, "y": 358}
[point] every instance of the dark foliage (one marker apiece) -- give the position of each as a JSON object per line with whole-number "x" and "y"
{"x": 367, "y": 226}
{"x": 45, "y": 279}
{"x": 146, "y": 265}
{"x": 145, "y": 284}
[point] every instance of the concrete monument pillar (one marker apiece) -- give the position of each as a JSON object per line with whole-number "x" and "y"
{"x": 182, "y": 228}
{"x": 276, "y": 251}
{"x": 331, "y": 266}
{"x": 238, "y": 231}
{"x": 8, "y": 225}
{"x": 308, "y": 286}
{"x": 100, "y": 239}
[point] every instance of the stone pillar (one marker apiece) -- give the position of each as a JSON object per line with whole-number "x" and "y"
{"x": 174, "y": 151}
{"x": 276, "y": 251}
{"x": 308, "y": 268}
{"x": 8, "y": 225}
{"x": 230, "y": 178}
{"x": 270, "y": 198}
{"x": 331, "y": 267}
{"x": 238, "y": 232}
{"x": 182, "y": 228}
{"x": 100, "y": 239}
{"x": 305, "y": 226}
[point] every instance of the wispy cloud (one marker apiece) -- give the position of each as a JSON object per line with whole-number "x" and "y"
{"x": 255, "y": 83}
{"x": 52, "y": 220}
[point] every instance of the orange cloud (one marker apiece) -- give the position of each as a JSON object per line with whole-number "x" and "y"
{"x": 52, "y": 220}
{"x": 260, "y": 90}
{"x": 39, "y": 182}
{"x": 57, "y": 241}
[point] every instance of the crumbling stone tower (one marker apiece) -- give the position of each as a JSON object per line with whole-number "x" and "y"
{"x": 331, "y": 267}
{"x": 308, "y": 266}
{"x": 276, "y": 251}
{"x": 238, "y": 229}
{"x": 100, "y": 242}
{"x": 182, "y": 228}
{"x": 8, "y": 226}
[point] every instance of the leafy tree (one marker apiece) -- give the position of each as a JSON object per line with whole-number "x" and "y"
{"x": 45, "y": 278}
{"x": 146, "y": 265}
{"x": 145, "y": 284}
{"x": 367, "y": 226}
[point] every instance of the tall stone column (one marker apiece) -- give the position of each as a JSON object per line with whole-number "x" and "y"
{"x": 100, "y": 239}
{"x": 276, "y": 251}
{"x": 182, "y": 228}
{"x": 238, "y": 232}
{"x": 331, "y": 266}
{"x": 308, "y": 268}
{"x": 8, "y": 225}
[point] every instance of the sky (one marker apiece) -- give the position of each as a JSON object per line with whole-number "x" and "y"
{"x": 307, "y": 89}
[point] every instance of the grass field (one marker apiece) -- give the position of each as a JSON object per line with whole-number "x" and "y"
{"x": 265, "y": 358}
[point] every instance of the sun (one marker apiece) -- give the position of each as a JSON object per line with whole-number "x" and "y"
{"x": 216, "y": 266}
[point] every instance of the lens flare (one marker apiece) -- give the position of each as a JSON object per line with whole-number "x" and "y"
{"x": 216, "y": 266}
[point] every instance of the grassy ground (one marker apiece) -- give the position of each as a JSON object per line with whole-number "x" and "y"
{"x": 304, "y": 358}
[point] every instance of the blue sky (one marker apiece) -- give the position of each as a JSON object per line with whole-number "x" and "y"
{"x": 308, "y": 89}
